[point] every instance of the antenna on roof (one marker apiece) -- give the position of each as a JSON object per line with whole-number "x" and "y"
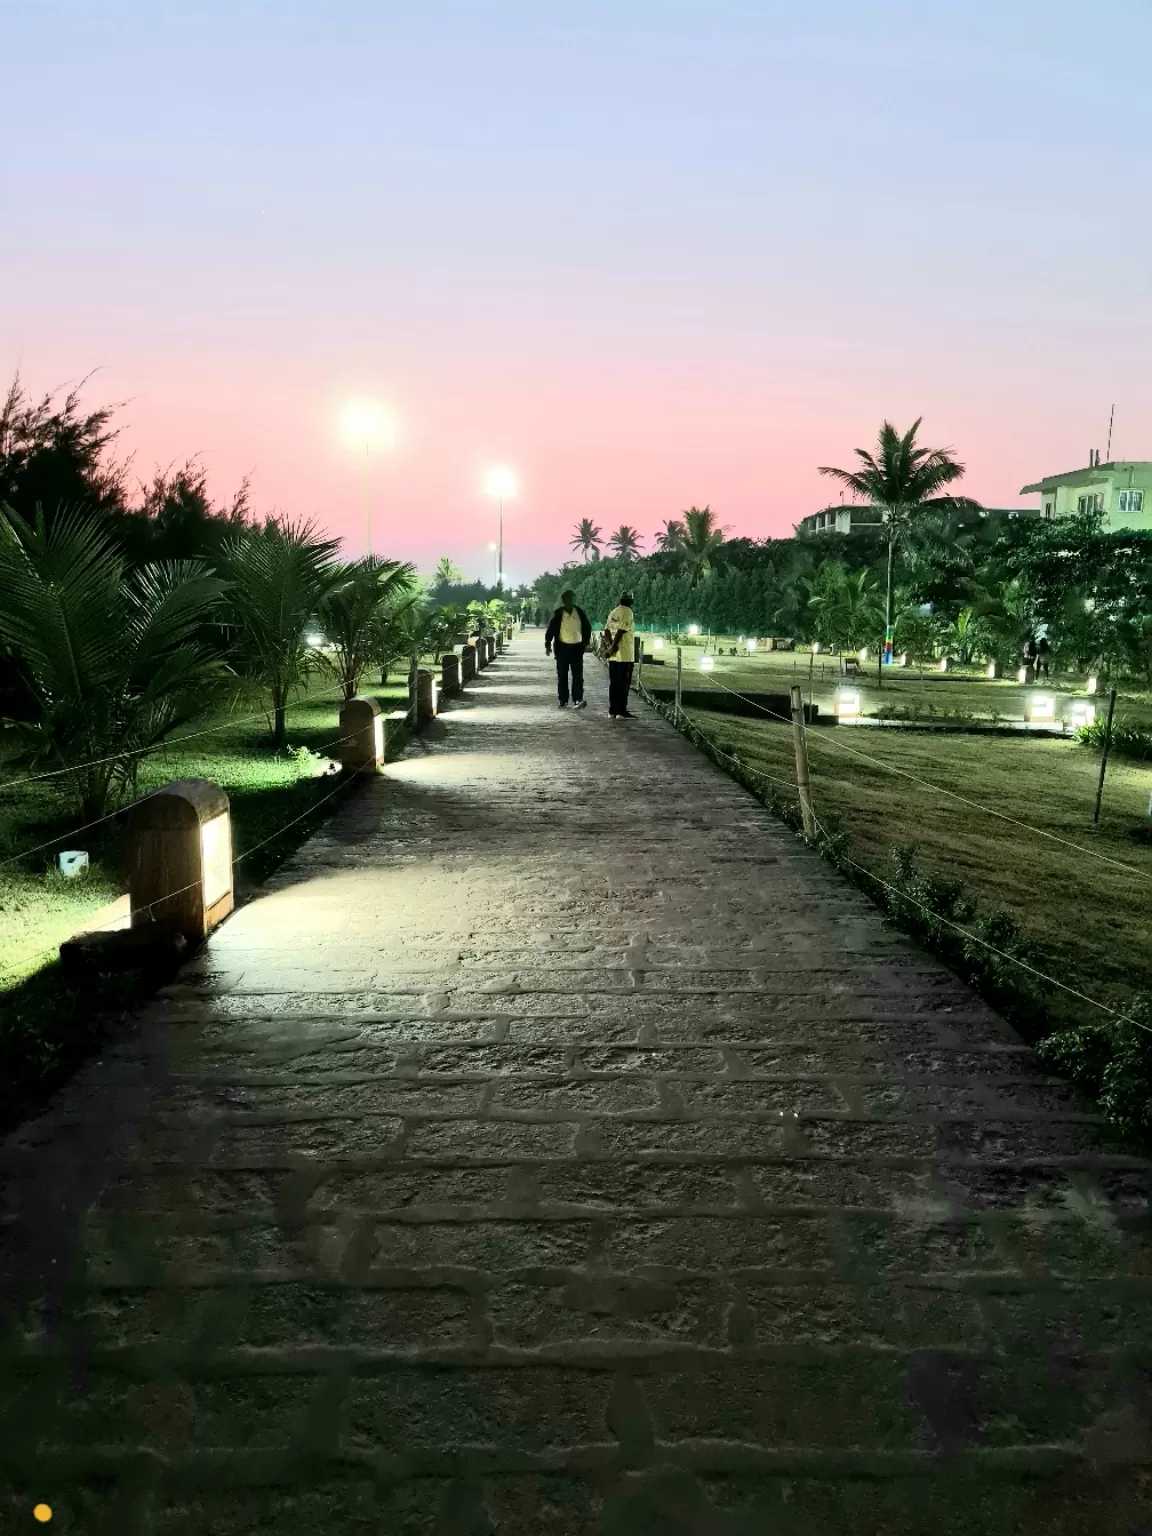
{"x": 1111, "y": 418}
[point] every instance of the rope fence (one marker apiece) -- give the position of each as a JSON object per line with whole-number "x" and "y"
{"x": 829, "y": 843}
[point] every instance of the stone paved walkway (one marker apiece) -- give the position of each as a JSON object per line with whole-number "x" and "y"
{"x": 558, "y": 1146}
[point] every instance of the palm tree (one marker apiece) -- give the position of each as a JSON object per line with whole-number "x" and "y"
{"x": 278, "y": 578}
{"x": 700, "y": 547}
{"x": 587, "y": 538}
{"x": 905, "y": 481}
{"x": 111, "y": 658}
{"x": 354, "y": 615}
{"x": 671, "y": 536}
{"x": 625, "y": 542}
{"x": 447, "y": 574}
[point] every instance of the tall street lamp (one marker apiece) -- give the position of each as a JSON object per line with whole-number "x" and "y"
{"x": 502, "y": 484}
{"x": 374, "y": 426}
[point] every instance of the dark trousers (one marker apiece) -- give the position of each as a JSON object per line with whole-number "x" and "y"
{"x": 619, "y": 682}
{"x": 569, "y": 658}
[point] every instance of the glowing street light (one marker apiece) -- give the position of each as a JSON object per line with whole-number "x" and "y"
{"x": 693, "y": 629}
{"x": 373, "y": 426}
{"x": 1082, "y": 714}
{"x": 502, "y": 484}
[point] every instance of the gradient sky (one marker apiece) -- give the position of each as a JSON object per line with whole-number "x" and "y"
{"x": 649, "y": 254}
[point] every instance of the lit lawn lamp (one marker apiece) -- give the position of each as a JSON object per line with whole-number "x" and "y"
{"x": 1041, "y": 709}
{"x": 944, "y": 663}
{"x": 180, "y": 859}
{"x": 1092, "y": 684}
{"x": 706, "y": 663}
{"x": 990, "y": 669}
{"x": 658, "y": 643}
{"x": 426, "y": 695}
{"x": 902, "y": 659}
{"x": 862, "y": 653}
{"x": 847, "y": 704}
{"x": 361, "y": 736}
{"x": 751, "y": 647}
{"x": 1082, "y": 715}
{"x": 1022, "y": 675}
{"x": 693, "y": 629}
{"x": 815, "y": 647}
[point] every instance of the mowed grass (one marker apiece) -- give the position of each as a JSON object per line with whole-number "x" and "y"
{"x": 1090, "y": 920}
{"x": 39, "y": 908}
{"x": 960, "y": 692}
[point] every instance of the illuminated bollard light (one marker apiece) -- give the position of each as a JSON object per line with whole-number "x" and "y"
{"x": 944, "y": 663}
{"x": 426, "y": 691}
{"x": 180, "y": 859}
{"x": 450, "y": 673}
{"x": 468, "y": 663}
{"x": 361, "y": 735}
{"x": 990, "y": 670}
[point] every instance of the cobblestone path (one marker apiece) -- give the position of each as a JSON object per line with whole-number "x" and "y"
{"x": 558, "y": 1146}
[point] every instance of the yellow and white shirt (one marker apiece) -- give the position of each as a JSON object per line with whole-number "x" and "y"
{"x": 620, "y": 619}
{"x": 571, "y": 630}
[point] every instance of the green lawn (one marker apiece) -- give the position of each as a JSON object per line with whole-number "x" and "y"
{"x": 958, "y": 693}
{"x": 1091, "y": 921}
{"x": 39, "y": 908}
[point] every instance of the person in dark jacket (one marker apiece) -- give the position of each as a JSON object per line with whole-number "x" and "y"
{"x": 571, "y": 633}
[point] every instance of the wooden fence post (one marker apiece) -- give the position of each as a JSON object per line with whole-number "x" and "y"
{"x": 679, "y": 674}
{"x": 1104, "y": 756}
{"x": 801, "y": 745}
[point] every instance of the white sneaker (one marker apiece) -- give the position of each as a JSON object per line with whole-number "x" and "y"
{"x": 580, "y": 704}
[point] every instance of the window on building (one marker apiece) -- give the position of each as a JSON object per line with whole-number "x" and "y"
{"x": 1131, "y": 501}
{"x": 1049, "y": 510}
{"x": 1091, "y": 503}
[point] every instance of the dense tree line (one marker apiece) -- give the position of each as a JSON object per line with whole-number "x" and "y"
{"x": 970, "y": 586}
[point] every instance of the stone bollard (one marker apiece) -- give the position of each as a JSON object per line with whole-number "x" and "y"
{"x": 450, "y": 673}
{"x": 361, "y": 735}
{"x": 481, "y": 646}
{"x": 180, "y": 859}
{"x": 467, "y": 664}
{"x": 426, "y": 700}
{"x": 499, "y": 643}
{"x": 490, "y": 647}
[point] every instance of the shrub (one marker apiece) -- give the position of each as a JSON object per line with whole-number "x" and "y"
{"x": 1112, "y": 1062}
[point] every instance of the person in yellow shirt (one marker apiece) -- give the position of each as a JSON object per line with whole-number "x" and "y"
{"x": 571, "y": 633}
{"x": 620, "y": 649}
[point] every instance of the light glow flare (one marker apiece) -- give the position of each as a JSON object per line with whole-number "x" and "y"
{"x": 369, "y": 425}
{"x": 502, "y": 483}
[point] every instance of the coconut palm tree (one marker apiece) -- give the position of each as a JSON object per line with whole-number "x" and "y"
{"x": 111, "y": 659}
{"x": 699, "y": 549}
{"x": 671, "y": 536}
{"x": 447, "y": 574}
{"x": 906, "y": 482}
{"x": 625, "y": 543}
{"x": 354, "y": 615}
{"x": 587, "y": 538}
{"x": 278, "y": 578}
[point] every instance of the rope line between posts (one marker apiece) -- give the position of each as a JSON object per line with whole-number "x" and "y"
{"x": 159, "y": 747}
{"x": 939, "y": 789}
{"x": 756, "y": 773}
{"x": 976, "y": 939}
{"x": 121, "y": 810}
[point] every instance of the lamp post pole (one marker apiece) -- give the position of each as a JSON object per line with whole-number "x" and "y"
{"x": 500, "y": 555}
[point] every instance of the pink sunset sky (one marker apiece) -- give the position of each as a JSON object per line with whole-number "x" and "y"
{"x": 647, "y": 255}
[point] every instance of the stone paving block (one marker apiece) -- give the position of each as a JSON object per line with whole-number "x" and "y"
{"x": 435, "y": 1197}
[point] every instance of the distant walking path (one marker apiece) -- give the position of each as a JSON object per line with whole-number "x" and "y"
{"x": 558, "y": 1145}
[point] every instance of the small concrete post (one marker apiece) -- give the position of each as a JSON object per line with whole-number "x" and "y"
{"x": 481, "y": 651}
{"x": 801, "y": 745}
{"x": 450, "y": 673}
{"x": 500, "y": 642}
{"x": 426, "y": 700}
{"x": 467, "y": 663}
{"x": 180, "y": 859}
{"x": 361, "y": 735}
